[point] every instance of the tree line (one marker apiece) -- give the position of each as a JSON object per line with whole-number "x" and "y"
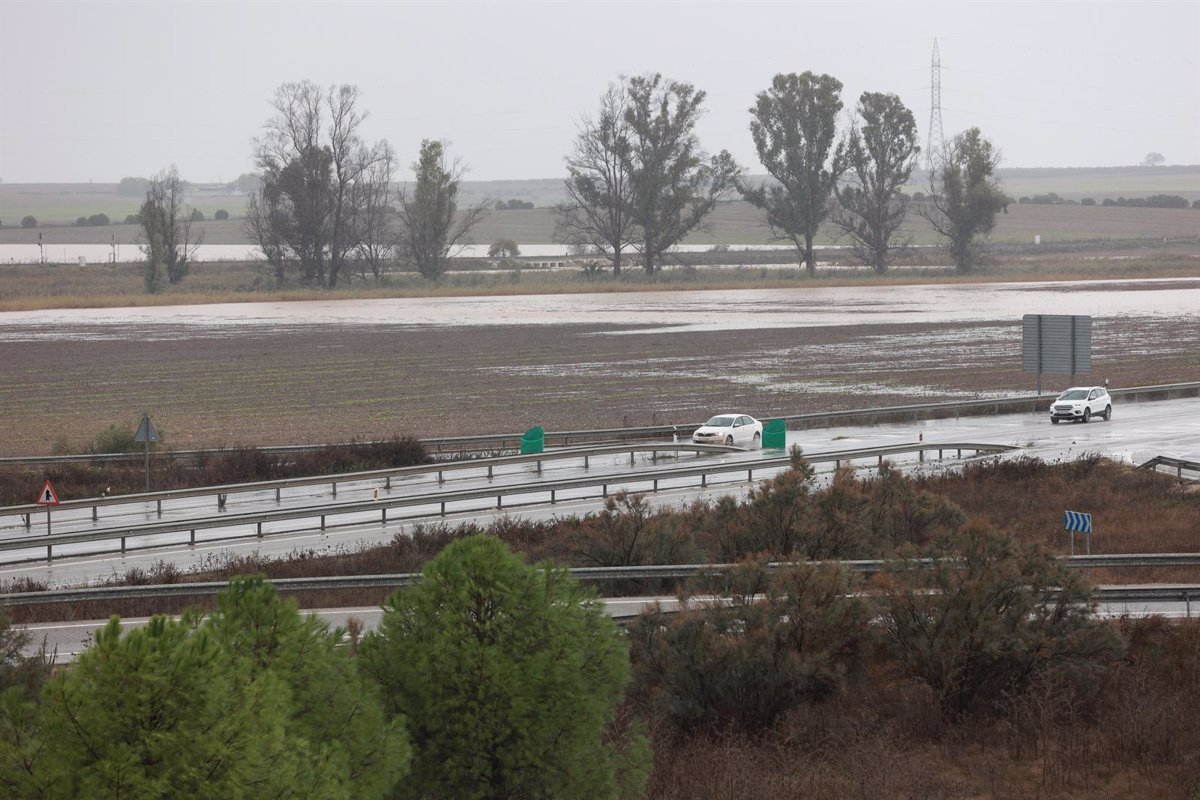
{"x": 325, "y": 207}
{"x": 639, "y": 180}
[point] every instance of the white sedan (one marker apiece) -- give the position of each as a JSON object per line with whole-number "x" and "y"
{"x": 730, "y": 429}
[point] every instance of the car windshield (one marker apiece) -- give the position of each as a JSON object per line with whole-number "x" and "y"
{"x": 720, "y": 422}
{"x": 1074, "y": 394}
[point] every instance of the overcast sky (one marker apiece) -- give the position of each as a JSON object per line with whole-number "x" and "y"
{"x": 100, "y": 90}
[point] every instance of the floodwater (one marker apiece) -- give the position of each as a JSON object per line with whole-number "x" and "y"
{"x": 637, "y": 312}
{"x": 120, "y": 252}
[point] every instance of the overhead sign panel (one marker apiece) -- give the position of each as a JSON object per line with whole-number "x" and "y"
{"x": 1057, "y": 343}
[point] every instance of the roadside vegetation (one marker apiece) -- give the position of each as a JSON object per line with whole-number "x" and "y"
{"x": 944, "y": 682}
{"x": 235, "y": 465}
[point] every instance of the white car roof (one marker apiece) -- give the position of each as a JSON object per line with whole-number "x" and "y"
{"x": 1080, "y": 389}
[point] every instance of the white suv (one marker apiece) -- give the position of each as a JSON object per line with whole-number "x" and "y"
{"x": 1081, "y": 403}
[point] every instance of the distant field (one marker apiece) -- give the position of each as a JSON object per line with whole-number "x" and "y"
{"x": 64, "y": 203}
{"x": 736, "y": 224}
{"x": 82, "y": 200}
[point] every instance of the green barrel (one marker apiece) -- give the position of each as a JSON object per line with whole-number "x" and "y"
{"x": 534, "y": 441}
{"x": 774, "y": 435}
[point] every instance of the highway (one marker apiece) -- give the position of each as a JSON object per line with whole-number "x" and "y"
{"x": 68, "y": 639}
{"x": 1137, "y": 432}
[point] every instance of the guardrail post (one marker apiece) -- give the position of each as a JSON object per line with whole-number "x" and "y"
{"x": 960, "y": 452}
{"x": 49, "y": 552}
{"x": 585, "y": 462}
{"x": 322, "y": 522}
{"x": 384, "y": 512}
{"x": 192, "y": 538}
{"x": 921, "y": 455}
{"x": 95, "y": 513}
{"x": 604, "y": 490}
{"x": 539, "y": 466}
{"x": 387, "y": 483}
{"x": 160, "y": 508}
{"x": 499, "y": 501}
{"x": 441, "y": 476}
{"x": 277, "y": 490}
{"x": 259, "y": 531}
{"x": 335, "y": 488}
{"x": 443, "y": 508}
{"x": 939, "y": 454}
{"x": 880, "y": 464}
{"x": 655, "y": 484}
{"x": 221, "y": 498}
{"x": 551, "y": 497}
{"x": 654, "y": 456}
{"x": 27, "y": 520}
{"x": 631, "y": 458}
{"x": 1187, "y": 604}
{"x": 122, "y": 544}
{"x": 703, "y": 479}
{"x": 489, "y": 472}
{"x": 749, "y": 475}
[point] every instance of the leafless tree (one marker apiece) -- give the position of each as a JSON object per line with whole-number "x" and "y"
{"x": 165, "y": 218}
{"x": 308, "y": 215}
{"x": 599, "y": 186}
{"x": 377, "y": 230}
{"x": 431, "y": 223}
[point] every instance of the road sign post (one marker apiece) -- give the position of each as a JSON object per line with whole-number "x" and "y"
{"x": 1078, "y": 522}
{"x": 47, "y": 497}
{"x": 146, "y": 434}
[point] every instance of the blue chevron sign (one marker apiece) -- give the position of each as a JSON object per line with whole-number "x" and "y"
{"x": 1077, "y": 521}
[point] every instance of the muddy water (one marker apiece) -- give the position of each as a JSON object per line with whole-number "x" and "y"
{"x": 637, "y": 312}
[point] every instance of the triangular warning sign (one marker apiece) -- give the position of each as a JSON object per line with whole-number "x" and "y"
{"x": 47, "y": 497}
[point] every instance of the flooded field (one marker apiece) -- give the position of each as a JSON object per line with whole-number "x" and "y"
{"x": 269, "y": 373}
{"x": 633, "y": 313}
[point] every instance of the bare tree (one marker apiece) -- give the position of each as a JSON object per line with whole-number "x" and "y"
{"x": 431, "y": 224}
{"x": 307, "y": 217}
{"x": 794, "y": 127}
{"x": 881, "y": 155}
{"x": 963, "y": 197}
{"x": 167, "y": 226}
{"x": 377, "y": 229}
{"x": 675, "y": 185}
{"x": 599, "y": 186}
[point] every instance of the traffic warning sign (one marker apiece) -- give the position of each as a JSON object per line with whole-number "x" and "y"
{"x": 47, "y": 497}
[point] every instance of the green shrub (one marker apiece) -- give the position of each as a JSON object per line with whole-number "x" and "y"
{"x": 507, "y": 676}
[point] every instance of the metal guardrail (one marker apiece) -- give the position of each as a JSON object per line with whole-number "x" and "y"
{"x": 1151, "y": 593}
{"x": 450, "y": 444}
{"x": 382, "y": 506}
{"x": 386, "y": 475}
{"x": 1179, "y": 464}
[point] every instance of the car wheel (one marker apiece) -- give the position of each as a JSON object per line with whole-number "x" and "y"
{"x": 1053, "y": 421}
{"x": 757, "y": 439}
{"x": 1087, "y": 415}
{"x": 1107, "y": 413}
{"x": 729, "y": 441}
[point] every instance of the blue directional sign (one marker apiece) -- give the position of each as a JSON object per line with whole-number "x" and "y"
{"x": 1077, "y": 521}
